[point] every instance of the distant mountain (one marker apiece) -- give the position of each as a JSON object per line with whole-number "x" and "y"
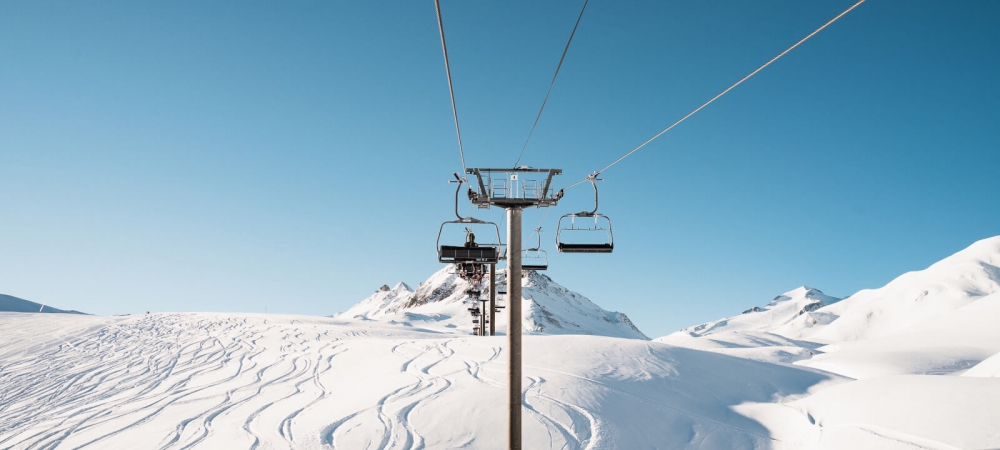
{"x": 917, "y": 298}
{"x": 795, "y": 308}
{"x": 9, "y": 303}
{"x": 940, "y": 320}
{"x": 441, "y": 302}
{"x": 758, "y": 332}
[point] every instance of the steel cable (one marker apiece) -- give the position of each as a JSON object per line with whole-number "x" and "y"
{"x": 552, "y": 83}
{"x": 594, "y": 175}
{"x": 451, "y": 90}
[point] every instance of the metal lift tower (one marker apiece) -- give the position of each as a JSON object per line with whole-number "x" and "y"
{"x": 513, "y": 190}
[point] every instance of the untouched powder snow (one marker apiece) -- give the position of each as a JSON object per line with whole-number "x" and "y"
{"x": 441, "y": 303}
{"x": 941, "y": 320}
{"x": 990, "y": 367}
{"x": 916, "y": 298}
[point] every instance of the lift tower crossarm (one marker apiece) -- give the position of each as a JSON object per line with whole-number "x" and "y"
{"x": 508, "y": 195}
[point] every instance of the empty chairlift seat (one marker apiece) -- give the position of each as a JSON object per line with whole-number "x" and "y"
{"x": 592, "y": 237}
{"x": 586, "y": 248}
{"x": 535, "y": 258}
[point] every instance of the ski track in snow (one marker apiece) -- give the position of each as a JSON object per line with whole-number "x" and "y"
{"x": 191, "y": 372}
{"x": 127, "y": 374}
{"x": 208, "y": 381}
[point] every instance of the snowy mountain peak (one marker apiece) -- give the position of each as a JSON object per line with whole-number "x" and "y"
{"x": 379, "y": 302}
{"x": 442, "y": 301}
{"x": 917, "y": 298}
{"x": 802, "y": 292}
{"x": 795, "y": 306}
{"x": 939, "y": 320}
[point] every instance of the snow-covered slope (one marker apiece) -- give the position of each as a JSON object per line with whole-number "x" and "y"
{"x": 220, "y": 381}
{"x": 989, "y": 367}
{"x": 441, "y": 303}
{"x": 791, "y": 309}
{"x": 756, "y": 333}
{"x": 383, "y": 301}
{"x": 950, "y": 344}
{"x": 941, "y": 320}
{"x": 916, "y": 298}
{"x": 10, "y": 303}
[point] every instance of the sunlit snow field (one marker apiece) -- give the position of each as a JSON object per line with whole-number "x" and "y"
{"x": 911, "y": 365}
{"x": 257, "y": 381}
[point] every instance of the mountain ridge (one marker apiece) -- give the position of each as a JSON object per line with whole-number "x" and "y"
{"x": 9, "y": 303}
{"x": 939, "y": 320}
{"x": 442, "y": 302}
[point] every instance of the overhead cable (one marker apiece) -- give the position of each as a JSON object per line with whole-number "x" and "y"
{"x": 451, "y": 90}
{"x": 552, "y": 83}
{"x": 594, "y": 175}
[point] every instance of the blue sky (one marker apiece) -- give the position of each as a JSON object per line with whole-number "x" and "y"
{"x": 232, "y": 156}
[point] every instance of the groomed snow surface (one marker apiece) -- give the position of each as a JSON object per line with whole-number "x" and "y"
{"x": 913, "y": 365}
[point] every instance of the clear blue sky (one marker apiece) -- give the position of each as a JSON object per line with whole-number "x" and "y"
{"x": 227, "y": 156}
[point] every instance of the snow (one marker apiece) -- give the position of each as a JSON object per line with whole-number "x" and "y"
{"x": 941, "y": 320}
{"x": 907, "y": 411}
{"x": 923, "y": 351}
{"x": 756, "y": 333}
{"x": 441, "y": 303}
{"x": 918, "y": 297}
{"x": 271, "y": 381}
{"x": 989, "y": 367}
{"x": 14, "y": 304}
{"x": 914, "y": 364}
{"x": 952, "y": 343}
{"x": 786, "y": 310}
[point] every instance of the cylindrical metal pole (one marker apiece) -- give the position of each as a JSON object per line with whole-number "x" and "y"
{"x": 493, "y": 299}
{"x": 514, "y": 327}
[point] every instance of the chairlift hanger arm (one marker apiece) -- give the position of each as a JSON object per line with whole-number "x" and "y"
{"x": 592, "y": 178}
{"x": 470, "y": 219}
{"x": 457, "y": 190}
{"x": 538, "y": 233}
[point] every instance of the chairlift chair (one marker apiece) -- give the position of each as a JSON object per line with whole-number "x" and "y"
{"x": 474, "y": 291}
{"x": 471, "y": 261}
{"x": 535, "y": 258}
{"x": 501, "y": 301}
{"x": 600, "y": 228}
